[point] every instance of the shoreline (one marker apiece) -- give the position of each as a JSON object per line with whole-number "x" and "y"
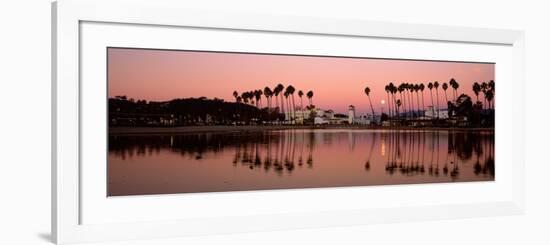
{"x": 256, "y": 128}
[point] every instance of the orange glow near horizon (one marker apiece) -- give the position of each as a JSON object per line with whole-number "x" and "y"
{"x": 337, "y": 82}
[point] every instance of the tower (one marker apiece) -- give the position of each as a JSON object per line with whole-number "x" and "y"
{"x": 351, "y": 114}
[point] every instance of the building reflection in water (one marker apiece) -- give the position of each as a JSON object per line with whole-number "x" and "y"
{"x": 428, "y": 156}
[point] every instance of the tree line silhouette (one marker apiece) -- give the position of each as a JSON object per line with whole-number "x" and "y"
{"x": 277, "y": 105}
{"x": 284, "y": 101}
{"x": 406, "y": 101}
{"x": 267, "y": 106}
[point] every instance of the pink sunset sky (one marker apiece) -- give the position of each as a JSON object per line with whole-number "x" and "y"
{"x": 161, "y": 75}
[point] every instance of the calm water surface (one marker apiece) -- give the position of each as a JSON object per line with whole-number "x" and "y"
{"x": 281, "y": 159}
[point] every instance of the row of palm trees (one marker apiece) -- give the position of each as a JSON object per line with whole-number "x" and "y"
{"x": 284, "y": 99}
{"x": 488, "y": 91}
{"x": 401, "y": 99}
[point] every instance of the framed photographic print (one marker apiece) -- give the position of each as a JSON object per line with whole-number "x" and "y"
{"x": 172, "y": 122}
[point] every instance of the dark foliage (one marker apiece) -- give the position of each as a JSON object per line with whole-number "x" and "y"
{"x": 182, "y": 112}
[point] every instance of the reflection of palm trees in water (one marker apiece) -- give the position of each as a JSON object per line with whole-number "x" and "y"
{"x": 373, "y": 143}
{"x": 406, "y": 152}
{"x": 276, "y": 150}
{"x": 311, "y": 141}
{"x": 408, "y": 161}
{"x": 488, "y": 167}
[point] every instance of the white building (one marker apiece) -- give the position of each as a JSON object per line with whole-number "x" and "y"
{"x": 329, "y": 117}
{"x": 321, "y": 120}
{"x": 431, "y": 112}
{"x": 353, "y": 119}
{"x": 363, "y": 120}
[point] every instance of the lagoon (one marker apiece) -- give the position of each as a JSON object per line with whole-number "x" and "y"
{"x": 192, "y": 162}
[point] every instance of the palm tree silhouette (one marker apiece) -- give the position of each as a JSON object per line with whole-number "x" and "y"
{"x": 387, "y": 89}
{"x": 276, "y": 92}
{"x": 430, "y": 86}
{"x": 421, "y": 86}
{"x": 310, "y": 97}
{"x": 484, "y": 87}
{"x": 409, "y": 88}
{"x": 286, "y": 94}
{"x": 280, "y": 88}
{"x": 401, "y": 88}
{"x": 454, "y": 84}
{"x": 291, "y": 91}
{"x": 436, "y": 85}
{"x": 398, "y": 104}
{"x": 445, "y": 87}
{"x": 476, "y": 88}
{"x": 258, "y": 97}
{"x": 393, "y": 90}
{"x": 416, "y": 88}
{"x": 367, "y": 92}
{"x": 489, "y": 95}
{"x": 236, "y": 95}
{"x": 268, "y": 94}
{"x": 300, "y": 94}
{"x": 244, "y": 95}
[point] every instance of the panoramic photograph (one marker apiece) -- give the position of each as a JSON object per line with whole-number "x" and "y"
{"x": 183, "y": 121}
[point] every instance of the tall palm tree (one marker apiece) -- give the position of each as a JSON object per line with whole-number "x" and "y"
{"x": 288, "y": 110}
{"x": 393, "y": 90}
{"x": 244, "y": 95}
{"x": 398, "y": 104}
{"x": 310, "y": 97}
{"x": 445, "y": 87}
{"x": 387, "y": 89}
{"x": 267, "y": 94}
{"x": 258, "y": 97}
{"x": 276, "y": 92}
{"x": 253, "y": 97}
{"x": 280, "y": 88}
{"x": 476, "y": 88}
{"x": 400, "y": 89}
{"x": 492, "y": 87}
{"x": 410, "y": 103}
{"x": 422, "y": 92}
{"x": 238, "y": 99}
{"x": 300, "y": 94}
{"x": 430, "y": 87}
{"x": 290, "y": 90}
{"x": 407, "y": 101}
{"x": 392, "y": 93}
{"x": 367, "y": 92}
{"x": 454, "y": 84}
{"x": 484, "y": 86}
{"x": 416, "y": 88}
{"x": 410, "y": 88}
{"x": 436, "y": 85}
{"x": 489, "y": 95}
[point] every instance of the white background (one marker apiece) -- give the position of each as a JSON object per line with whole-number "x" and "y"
{"x": 96, "y": 209}
{"x": 25, "y": 122}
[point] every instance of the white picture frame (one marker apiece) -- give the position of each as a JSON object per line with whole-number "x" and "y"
{"x": 67, "y": 192}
